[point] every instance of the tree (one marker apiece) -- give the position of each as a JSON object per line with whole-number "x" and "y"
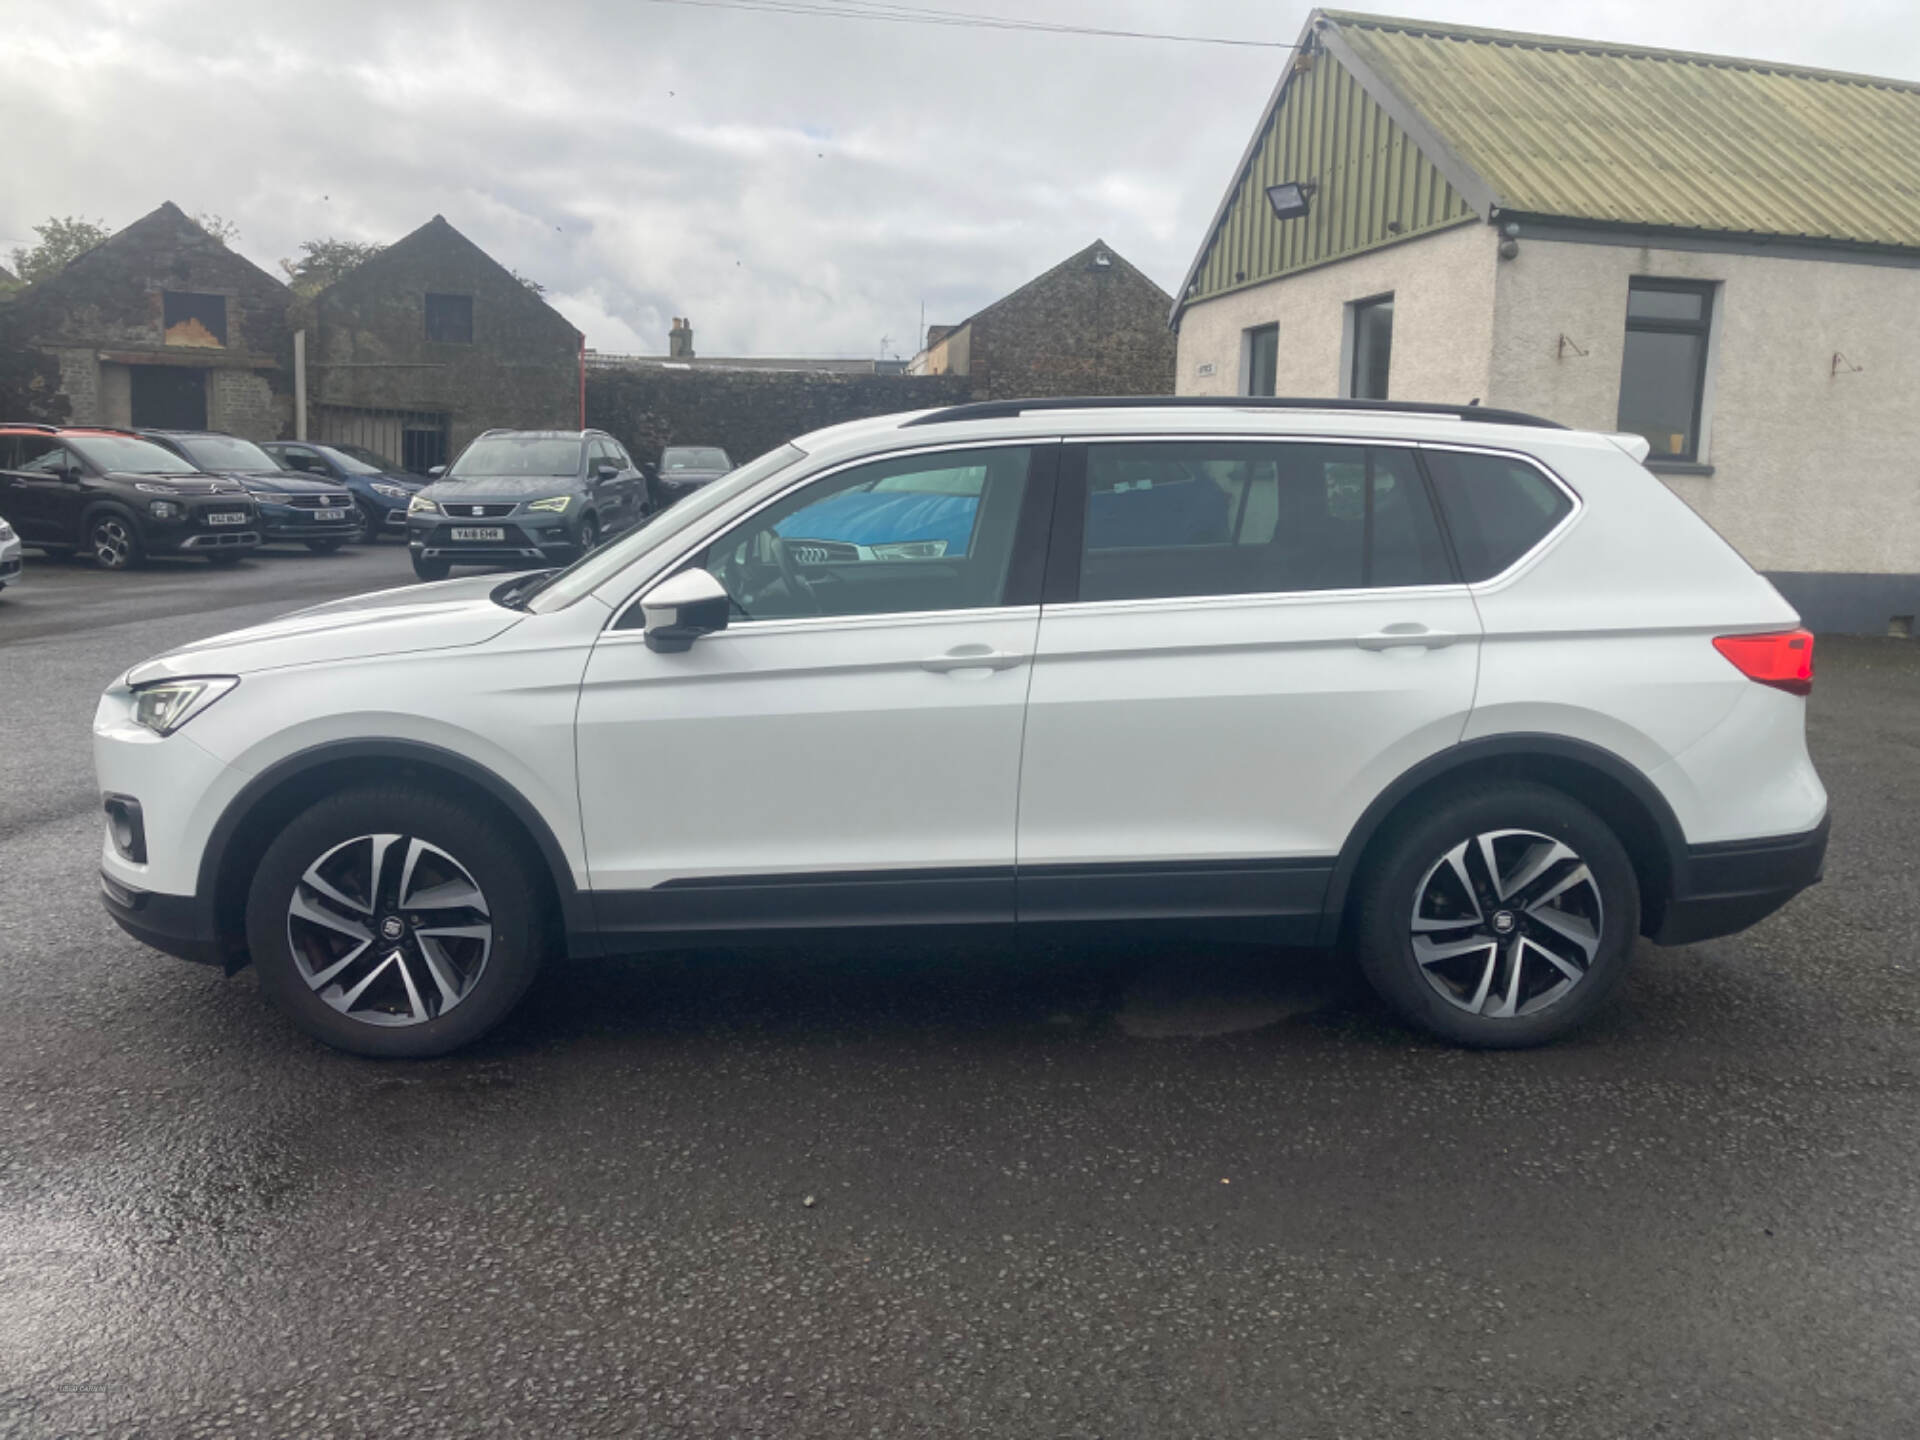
{"x": 221, "y": 229}
{"x": 62, "y": 238}
{"x": 534, "y": 285}
{"x": 324, "y": 261}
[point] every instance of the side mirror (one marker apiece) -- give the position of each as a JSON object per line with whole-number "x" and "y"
{"x": 436, "y": 471}
{"x": 682, "y": 608}
{"x": 604, "y": 471}
{"x": 73, "y": 474}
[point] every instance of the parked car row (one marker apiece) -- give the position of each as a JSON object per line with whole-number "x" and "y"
{"x": 515, "y": 498}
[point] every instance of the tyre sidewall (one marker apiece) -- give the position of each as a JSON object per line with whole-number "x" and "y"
{"x": 473, "y": 838}
{"x": 1386, "y": 899}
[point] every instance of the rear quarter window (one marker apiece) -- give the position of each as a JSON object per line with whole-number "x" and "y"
{"x": 1497, "y": 508}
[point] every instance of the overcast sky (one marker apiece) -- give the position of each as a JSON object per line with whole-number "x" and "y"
{"x": 796, "y": 184}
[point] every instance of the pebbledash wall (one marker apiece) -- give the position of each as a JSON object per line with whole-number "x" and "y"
{"x": 747, "y": 412}
{"x": 1810, "y": 453}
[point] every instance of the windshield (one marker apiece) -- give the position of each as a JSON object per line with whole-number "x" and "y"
{"x": 694, "y": 457}
{"x": 610, "y": 559}
{"x": 123, "y": 452}
{"x": 516, "y": 455}
{"x": 352, "y": 464}
{"x": 375, "y": 462}
{"x": 226, "y": 452}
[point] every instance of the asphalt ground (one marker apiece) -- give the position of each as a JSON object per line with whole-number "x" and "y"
{"x": 1166, "y": 1192}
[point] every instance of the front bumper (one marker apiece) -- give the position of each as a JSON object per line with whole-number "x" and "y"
{"x": 10, "y": 562}
{"x": 178, "y": 925}
{"x": 549, "y": 541}
{"x": 1727, "y": 887}
{"x": 286, "y": 522}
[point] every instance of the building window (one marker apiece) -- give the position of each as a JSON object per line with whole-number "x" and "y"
{"x": 450, "y": 318}
{"x": 194, "y": 319}
{"x": 1370, "y": 329}
{"x": 1663, "y": 372}
{"x": 1263, "y": 359}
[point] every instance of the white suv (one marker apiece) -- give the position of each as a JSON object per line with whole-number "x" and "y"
{"x": 1472, "y": 692}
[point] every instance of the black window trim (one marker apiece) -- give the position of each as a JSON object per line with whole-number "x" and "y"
{"x": 1030, "y": 542}
{"x": 1708, "y": 291}
{"x": 1062, "y": 587}
{"x": 1354, "y": 311}
{"x": 1254, "y": 334}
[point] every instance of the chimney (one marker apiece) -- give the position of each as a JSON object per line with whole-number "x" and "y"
{"x": 680, "y": 340}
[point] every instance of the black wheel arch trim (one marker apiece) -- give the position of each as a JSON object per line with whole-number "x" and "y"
{"x": 576, "y": 906}
{"x": 1487, "y": 748}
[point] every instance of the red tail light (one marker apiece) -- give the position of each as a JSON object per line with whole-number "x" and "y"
{"x": 1784, "y": 661}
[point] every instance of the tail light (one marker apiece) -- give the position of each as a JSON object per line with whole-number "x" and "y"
{"x": 1784, "y": 661}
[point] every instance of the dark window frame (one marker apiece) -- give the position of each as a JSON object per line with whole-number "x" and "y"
{"x": 1456, "y": 544}
{"x": 192, "y": 305}
{"x": 1356, "y": 310}
{"x": 1255, "y": 334}
{"x": 1707, "y": 290}
{"x": 443, "y": 337}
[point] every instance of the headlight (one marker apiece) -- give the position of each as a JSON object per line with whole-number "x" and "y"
{"x": 154, "y": 487}
{"x": 421, "y": 505}
{"x": 6, "y": 531}
{"x": 556, "y": 503}
{"x": 392, "y": 492}
{"x": 166, "y": 705}
{"x": 910, "y": 550}
{"x": 162, "y": 509}
{"x": 268, "y": 497}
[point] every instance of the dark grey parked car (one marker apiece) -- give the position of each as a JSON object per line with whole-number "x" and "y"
{"x": 682, "y": 470}
{"x": 524, "y": 498}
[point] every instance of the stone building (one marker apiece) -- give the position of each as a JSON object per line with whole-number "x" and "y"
{"x": 1719, "y": 255}
{"x": 1092, "y": 325}
{"x": 161, "y": 325}
{"x": 417, "y": 350}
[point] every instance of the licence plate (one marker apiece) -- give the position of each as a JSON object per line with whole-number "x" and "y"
{"x": 227, "y": 517}
{"x": 479, "y": 532}
{"x": 329, "y": 514}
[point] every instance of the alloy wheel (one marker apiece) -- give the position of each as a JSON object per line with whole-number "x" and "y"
{"x": 112, "y": 543}
{"x": 1506, "y": 923}
{"x": 389, "y": 930}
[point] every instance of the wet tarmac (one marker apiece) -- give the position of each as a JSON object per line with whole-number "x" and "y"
{"x": 1054, "y": 1192}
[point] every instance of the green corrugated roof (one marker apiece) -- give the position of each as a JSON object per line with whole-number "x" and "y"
{"x": 1584, "y": 130}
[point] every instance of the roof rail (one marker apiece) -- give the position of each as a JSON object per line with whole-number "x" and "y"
{"x": 1002, "y": 409}
{"x": 29, "y": 425}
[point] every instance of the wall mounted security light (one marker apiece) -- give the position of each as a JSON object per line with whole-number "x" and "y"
{"x": 1290, "y": 199}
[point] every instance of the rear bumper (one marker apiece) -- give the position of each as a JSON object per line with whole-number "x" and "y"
{"x": 179, "y": 925}
{"x": 1725, "y": 888}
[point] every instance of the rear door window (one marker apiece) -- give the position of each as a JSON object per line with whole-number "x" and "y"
{"x": 1205, "y": 518}
{"x": 1497, "y": 508}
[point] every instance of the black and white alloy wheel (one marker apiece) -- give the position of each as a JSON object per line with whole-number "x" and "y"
{"x": 1506, "y": 923}
{"x": 114, "y": 545}
{"x": 389, "y": 930}
{"x": 398, "y": 921}
{"x": 1499, "y": 916}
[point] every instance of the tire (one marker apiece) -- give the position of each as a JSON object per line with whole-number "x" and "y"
{"x": 589, "y": 533}
{"x": 1458, "y": 981}
{"x": 457, "y": 974}
{"x": 432, "y": 569}
{"x": 113, "y": 540}
{"x": 324, "y": 547}
{"x": 370, "y": 523}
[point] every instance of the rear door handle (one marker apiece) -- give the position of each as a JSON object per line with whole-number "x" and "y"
{"x": 1406, "y": 633}
{"x": 971, "y": 657}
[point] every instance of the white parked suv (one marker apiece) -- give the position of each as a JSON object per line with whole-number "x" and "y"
{"x": 1475, "y": 694}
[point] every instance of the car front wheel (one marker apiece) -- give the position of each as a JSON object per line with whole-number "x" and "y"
{"x": 395, "y": 922}
{"x": 113, "y": 541}
{"x": 1499, "y": 917}
{"x": 431, "y": 569}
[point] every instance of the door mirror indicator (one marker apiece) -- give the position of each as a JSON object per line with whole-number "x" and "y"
{"x": 682, "y": 608}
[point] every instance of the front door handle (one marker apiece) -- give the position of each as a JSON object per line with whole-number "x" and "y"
{"x": 971, "y": 657}
{"x": 1406, "y": 633}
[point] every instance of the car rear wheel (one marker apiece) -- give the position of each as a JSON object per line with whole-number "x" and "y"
{"x": 431, "y": 569}
{"x": 113, "y": 541}
{"x": 1499, "y": 917}
{"x": 395, "y": 922}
